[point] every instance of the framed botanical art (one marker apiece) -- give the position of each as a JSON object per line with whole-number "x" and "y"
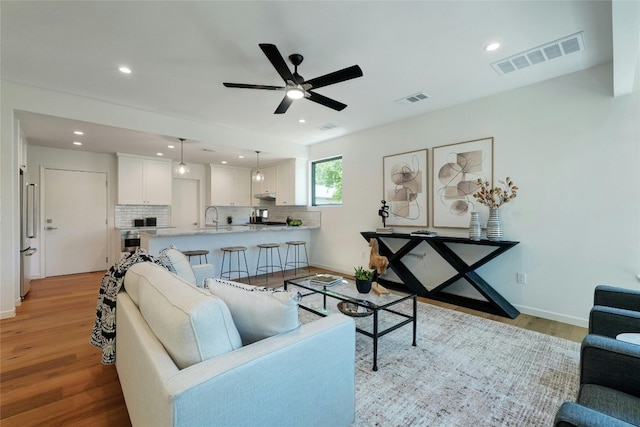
{"x": 455, "y": 171}
{"x": 405, "y": 188}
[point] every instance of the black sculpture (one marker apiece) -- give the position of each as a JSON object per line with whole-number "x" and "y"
{"x": 384, "y": 212}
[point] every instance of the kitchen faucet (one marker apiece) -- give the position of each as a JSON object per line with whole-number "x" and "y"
{"x": 205, "y": 215}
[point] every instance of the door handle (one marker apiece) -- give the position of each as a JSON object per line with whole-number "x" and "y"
{"x": 51, "y": 228}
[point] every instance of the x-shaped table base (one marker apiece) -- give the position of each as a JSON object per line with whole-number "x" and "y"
{"x": 495, "y": 303}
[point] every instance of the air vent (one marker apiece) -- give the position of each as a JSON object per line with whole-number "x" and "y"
{"x": 412, "y": 99}
{"x": 208, "y": 150}
{"x": 556, "y": 49}
{"x": 328, "y": 126}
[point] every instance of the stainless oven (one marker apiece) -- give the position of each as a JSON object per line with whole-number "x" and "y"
{"x": 129, "y": 241}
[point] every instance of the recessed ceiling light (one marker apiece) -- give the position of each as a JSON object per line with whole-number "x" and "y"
{"x": 224, "y": 162}
{"x": 492, "y": 46}
{"x": 77, "y": 132}
{"x": 241, "y": 157}
{"x": 124, "y": 70}
{"x": 302, "y": 121}
{"x": 77, "y": 143}
{"x": 170, "y": 146}
{"x": 159, "y": 154}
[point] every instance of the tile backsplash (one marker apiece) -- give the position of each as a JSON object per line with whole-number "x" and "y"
{"x": 125, "y": 214}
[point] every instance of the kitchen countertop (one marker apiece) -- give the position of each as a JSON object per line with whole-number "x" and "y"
{"x": 223, "y": 229}
{"x": 142, "y": 228}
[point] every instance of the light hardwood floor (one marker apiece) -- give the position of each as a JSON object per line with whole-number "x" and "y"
{"x": 50, "y": 374}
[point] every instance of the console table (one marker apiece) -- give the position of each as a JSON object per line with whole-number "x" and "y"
{"x": 495, "y": 303}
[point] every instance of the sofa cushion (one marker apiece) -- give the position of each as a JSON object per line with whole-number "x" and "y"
{"x": 191, "y": 324}
{"x": 258, "y": 312}
{"x": 179, "y": 264}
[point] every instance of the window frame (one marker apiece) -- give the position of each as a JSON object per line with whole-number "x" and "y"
{"x": 313, "y": 181}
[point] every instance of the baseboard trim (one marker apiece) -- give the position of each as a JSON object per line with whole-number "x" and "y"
{"x": 558, "y": 317}
{"x": 8, "y": 313}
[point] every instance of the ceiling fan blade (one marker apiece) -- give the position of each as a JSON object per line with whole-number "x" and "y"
{"x": 248, "y": 86}
{"x": 327, "y": 102}
{"x": 284, "y": 105}
{"x": 273, "y": 54}
{"x": 336, "y": 77}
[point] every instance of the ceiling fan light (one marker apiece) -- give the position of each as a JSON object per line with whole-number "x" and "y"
{"x": 295, "y": 93}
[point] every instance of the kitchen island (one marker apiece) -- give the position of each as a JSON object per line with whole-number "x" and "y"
{"x": 213, "y": 238}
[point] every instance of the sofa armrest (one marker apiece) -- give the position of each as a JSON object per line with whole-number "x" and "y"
{"x": 611, "y": 296}
{"x": 610, "y": 322}
{"x": 573, "y": 414}
{"x": 302, "y": 377}
{"x": 610, "y": 363}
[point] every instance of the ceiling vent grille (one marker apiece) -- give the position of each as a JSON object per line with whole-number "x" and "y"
{"x": 328, "y": 126}
{"x": 556, "y": 49}
{"x": 412, "y": 99}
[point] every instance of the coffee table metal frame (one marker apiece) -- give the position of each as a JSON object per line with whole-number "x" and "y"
{"x": 328, "y": 291}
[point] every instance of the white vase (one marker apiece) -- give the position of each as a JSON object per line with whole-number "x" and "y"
{"x": 494, "y": 225}
{"x": 475, "y": 229}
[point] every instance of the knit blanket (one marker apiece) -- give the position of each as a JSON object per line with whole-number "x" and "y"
{"x": 103, "y": 335}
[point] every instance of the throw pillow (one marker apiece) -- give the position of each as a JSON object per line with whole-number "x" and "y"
{"x": 192, "y": 324}
{"x": 179, "y": 264}
{"x": 258, "y": 312}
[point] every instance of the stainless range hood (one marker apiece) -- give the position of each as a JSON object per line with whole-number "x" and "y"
{"x": 265, "y": 196}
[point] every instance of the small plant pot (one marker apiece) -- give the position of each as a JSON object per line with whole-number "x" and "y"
{"x": 364, "y": 286}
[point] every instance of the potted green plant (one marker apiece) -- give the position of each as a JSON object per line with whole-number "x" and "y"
{"x": 363, "y": 279}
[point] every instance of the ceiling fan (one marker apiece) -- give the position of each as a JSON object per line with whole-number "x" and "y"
{"x": 296, "y": 86}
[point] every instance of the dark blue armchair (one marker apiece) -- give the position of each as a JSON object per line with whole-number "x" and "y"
{"x": 609, "y": 368}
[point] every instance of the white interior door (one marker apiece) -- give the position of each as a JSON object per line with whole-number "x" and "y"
{"x": 185, "y": 205}
{"x": 75, "y": 221}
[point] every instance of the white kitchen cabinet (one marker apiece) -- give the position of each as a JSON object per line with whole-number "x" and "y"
{"x": 230, "y": 186}
{"x": 143, "y": 181}
{"x": 291, "y": 186}
{"x": 269, "y": 183}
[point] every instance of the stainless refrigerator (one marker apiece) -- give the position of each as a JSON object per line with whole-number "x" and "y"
{"x": 28, "y": 230}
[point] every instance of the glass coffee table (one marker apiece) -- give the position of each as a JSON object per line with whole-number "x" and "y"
{"x": 376, "y": 315}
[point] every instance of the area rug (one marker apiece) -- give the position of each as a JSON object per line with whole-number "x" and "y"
{"x": 464, "y": 371}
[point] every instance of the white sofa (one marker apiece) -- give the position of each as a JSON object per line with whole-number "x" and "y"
{"x": 304, "y": 377}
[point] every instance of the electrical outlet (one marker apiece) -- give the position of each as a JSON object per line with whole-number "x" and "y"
{"x": 362, "y": 254}
{"x": 521, "y": 278}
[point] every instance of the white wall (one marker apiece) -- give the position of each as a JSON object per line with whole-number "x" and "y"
{"x": 573, "y": 150}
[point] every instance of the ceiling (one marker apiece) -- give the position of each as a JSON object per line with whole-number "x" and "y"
{"x": 180, "y": 53}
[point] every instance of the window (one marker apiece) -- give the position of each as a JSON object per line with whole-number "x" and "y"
{"x": 326, "y": 182}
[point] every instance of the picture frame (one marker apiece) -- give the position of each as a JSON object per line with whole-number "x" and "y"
{"x": 455, "y": 170}
{"x": 405, "y": 188}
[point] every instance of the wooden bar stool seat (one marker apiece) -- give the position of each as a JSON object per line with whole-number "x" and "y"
{"x": 269, "y": 263}
{"x": 228, "y": 272}
{"x": 199, "y": 253}
{"x": 297, "y": 262}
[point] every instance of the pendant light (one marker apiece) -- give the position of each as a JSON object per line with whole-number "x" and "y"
{"x": 182, "y": 169}
{"x": 258, "y": 176}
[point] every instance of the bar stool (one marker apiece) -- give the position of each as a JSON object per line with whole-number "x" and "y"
{"x": 297, "y": 262}
{"x": 199, "y": 253}
{"x": 230, "y": 250}
{"x": 268, "y": 248}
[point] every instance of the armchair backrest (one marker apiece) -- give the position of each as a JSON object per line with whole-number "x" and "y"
{"x": 611, "y": 296}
